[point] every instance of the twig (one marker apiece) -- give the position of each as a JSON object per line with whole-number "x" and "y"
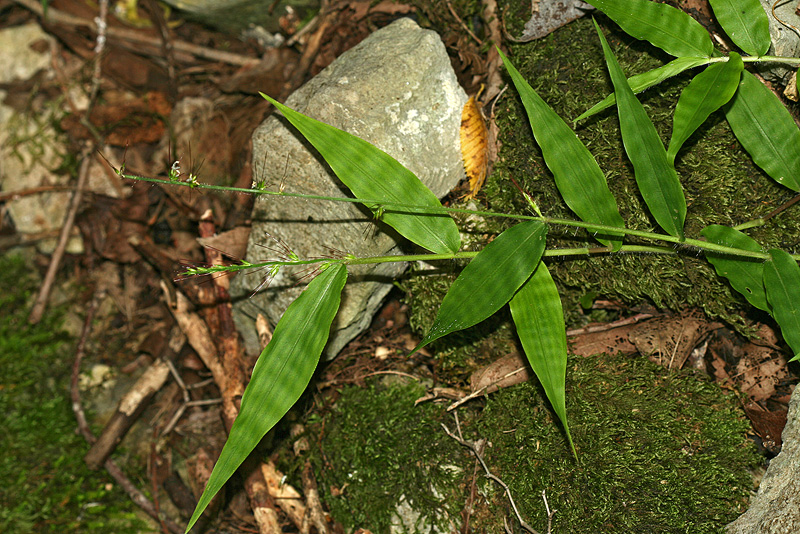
{"x": 143, "y": 42}
{"x": 463, "y": 25}
{"x": 13, "y": 195}
{"x": 480, "y": 392}
{"x": 43, "y": 296}
{"x": 83, "y": 426}
{"x": 550, "y": 513}
{"x": 476, "y": 451}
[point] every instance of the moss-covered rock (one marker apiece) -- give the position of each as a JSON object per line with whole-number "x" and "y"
{"x": 659, "y": 451}
{"x": 721, "y": 183}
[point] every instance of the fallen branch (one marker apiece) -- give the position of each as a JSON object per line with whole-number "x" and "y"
{"x": 128, "y": 410}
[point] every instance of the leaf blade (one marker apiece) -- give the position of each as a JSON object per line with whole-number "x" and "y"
{"x": 539, "y": 320}
{"x": 745, "y": 276}
{"x": 745, "y": 22}
{"x": 706, "y": 93}
{"x": 766, "y": 130}
{"x": 275, "y": 386}
{"x": 372, "y": 174}
{"x": 655, "y": 176}
{"x": 646, "y": 80}
{"x": 662, "y": 25}
{"x": 490, "y": 280}
{"x": 782, "y": 283}
{"x": 578, "y": 176}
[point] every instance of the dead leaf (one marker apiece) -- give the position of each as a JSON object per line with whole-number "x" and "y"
{"x": 232, "y": 243}
{"x": 505, "y": 372}
{"x": 767, "y": 425}
{"x": 474, "y": 146}
{"x": 669, "y": 341}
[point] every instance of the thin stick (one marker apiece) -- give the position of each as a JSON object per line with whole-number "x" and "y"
{"x": 475, "y": 449}
{"x": 40, "y": 303}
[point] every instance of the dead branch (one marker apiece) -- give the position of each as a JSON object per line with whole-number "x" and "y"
{"x": 128, "y": 410}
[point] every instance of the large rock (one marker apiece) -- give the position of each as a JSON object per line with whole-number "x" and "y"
{"x": 785, "y": 40}
{"x": 397, "y": 90}
{"x": 776, "y": 507}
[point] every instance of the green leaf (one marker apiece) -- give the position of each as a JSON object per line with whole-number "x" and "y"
{"x": 646, "y": 80}
{"x": 578, "y": 177}
{"x": 654, "y": 174}
{"x": 745, "y": 22}
{"x": 782, "y": 281}
{"x": 745, "y": 275}
{"x": 372, "y": 174}
{"x": 281, "y": 374}
{"x": 766, "y": 130}
{"x": 664, "y": 26}
{"x": 539, "y": 319}
{"x": 706, "y": 93}
{"x": 490, "y": 279}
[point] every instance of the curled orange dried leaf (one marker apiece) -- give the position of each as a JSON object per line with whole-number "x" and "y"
{"x": 474, "y": 146}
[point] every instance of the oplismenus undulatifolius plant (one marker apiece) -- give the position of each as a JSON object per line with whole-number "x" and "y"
{"x": 510, "y": 270}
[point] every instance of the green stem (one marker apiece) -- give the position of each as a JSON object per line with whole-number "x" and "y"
{"x": 399, "y": 206}
{"x": 759, "y": 59}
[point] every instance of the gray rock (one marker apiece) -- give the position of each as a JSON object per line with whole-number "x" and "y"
{"x": 776, "y": 507}
{"x": 397, "y": 90}
{"x": 785, "y": 40}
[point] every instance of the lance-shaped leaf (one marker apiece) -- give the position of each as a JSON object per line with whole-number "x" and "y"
{"x": 664, "y": 26}
{"x": 745, "y": 22}
{"x": 646, "y": 80}
{"x": 655, "y": 176}
{"x": 766, "y": 130}
{"x": 704, "y": 95}
{"x": 372, "y": 174}
{"x": 490, "y": 279}
{"x": 782, "y": 282}
{"x": 539, "y": 319}
{"x": 578, "y": 177}
{"x": 745, "y": 275}
{"x": 281, "y": 374}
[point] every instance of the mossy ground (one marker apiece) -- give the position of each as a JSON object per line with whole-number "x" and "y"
{"x": 659, "y": 451}
{"x": 44, "y": 485}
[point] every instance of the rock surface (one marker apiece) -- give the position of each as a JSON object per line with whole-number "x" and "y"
{"x": 785, "y": 40}
{"x": 776, "y": 507}
{"x": 397, "y": 90}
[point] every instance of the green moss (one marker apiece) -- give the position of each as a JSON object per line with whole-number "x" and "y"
{"x": 659, "y": 451}
{"x": 721, "y": 183}
{"x": 378, "y": 450}
{"x": 44, "y": 484}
